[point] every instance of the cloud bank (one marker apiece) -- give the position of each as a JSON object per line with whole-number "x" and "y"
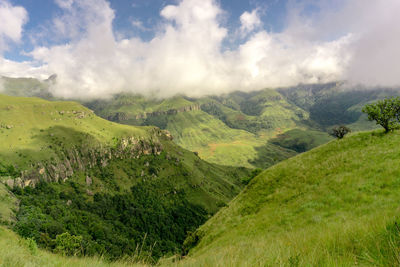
{"x": 356, "y": 41}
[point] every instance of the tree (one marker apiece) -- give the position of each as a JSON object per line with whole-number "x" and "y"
{"x": 340, "y": 131}
{"x": 384, "y": 112}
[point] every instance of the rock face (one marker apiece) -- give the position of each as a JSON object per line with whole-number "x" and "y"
{"x": 83, "y": 158}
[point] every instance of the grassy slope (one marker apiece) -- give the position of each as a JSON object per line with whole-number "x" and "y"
{"x": 216, "y": 142}
{"x": 33, "y": 122}
{"x": 331, "y": 206}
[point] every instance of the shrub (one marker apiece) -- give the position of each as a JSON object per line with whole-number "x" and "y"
{"x": 384, "y": 112}
{"x": 32, "y": 246}
{"x": 69, "y": 245}
{"x": 339, "y": 131}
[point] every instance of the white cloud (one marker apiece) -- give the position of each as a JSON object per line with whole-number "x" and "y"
{"x": 376, "y": 51}
{"x": 187, "y": 55}
{"x": 66, "y": 4}
{"x": 12, "y": 18}
{"x": 137, "y": 23}
{"x": 14, "y": 69}
{"x": 250, "y": 21}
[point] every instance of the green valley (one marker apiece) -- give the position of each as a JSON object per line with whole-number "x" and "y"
{"x": 243, "y": 129}
{"x": 101, "y": 182}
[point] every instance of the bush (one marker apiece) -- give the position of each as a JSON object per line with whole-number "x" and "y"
{"x": 32, "y": 246}
{"x": 340, "y": 131}
{"x": 384, "y": 112}
{"x": 69, "y": 245}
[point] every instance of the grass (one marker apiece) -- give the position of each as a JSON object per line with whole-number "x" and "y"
{"x": 8, "y": 205}
{"x": 215, "y": 142}
{"x": 335, "y": 205}
{"x": 28, "y": 124}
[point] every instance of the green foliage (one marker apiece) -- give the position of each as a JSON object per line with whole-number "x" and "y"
{"x": 384, "y": 112}
{"x": 16, "y": 251}
{"x": 8, "y": 170}
{"x": 32, "y": 246}
{"x": 69, "y": 245}
{"x": 110, "y": 225}
{"x": 340, "y": 131}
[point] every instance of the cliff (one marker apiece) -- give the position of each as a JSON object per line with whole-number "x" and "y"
{"x": 83, "y": 158}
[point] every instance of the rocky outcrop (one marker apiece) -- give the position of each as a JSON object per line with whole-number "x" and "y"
{"x": 84, "y": 157}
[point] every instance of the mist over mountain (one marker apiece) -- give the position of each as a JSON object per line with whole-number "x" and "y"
{"x": 194, "y": 52}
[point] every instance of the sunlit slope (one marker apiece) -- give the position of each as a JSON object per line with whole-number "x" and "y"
{"x": 335, "y": 205}
{"x": 216, "y": 142}
{"x": 28, "y": 124}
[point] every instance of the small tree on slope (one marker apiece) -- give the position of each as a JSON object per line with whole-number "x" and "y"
{"x": 384, "y": 112}
{"x": 339, "y": 131}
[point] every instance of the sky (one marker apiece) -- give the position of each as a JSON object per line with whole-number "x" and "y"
{"x": 198, "y": 47}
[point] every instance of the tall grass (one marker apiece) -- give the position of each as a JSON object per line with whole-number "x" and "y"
{"x": 337, "y": 205}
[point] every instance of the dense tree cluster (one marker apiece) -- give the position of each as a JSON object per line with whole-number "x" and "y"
{"x": 64, "y": 219}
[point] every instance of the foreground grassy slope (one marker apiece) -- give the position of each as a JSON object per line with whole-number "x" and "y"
{"x": 335, "y": 205}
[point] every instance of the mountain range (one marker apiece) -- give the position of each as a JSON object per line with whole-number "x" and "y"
{"x": 142, "y": 180}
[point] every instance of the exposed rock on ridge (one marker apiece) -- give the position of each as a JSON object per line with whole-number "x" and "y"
{"x": 84, "y": 158}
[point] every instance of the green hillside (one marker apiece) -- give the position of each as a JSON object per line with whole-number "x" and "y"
{"x": 116, "y": 187}
{"x": 246, "y": 129}
{"x": 222, "y": 130}
{"x": 336, "y": 205}
{"x": 236, "y": 129}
